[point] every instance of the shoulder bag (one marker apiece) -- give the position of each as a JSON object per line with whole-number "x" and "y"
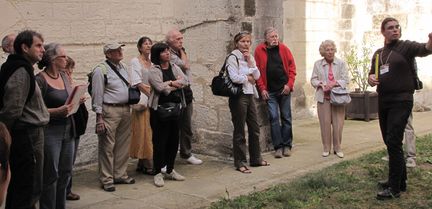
{"x": 339, "y": 96}
{"x": 134, "y": 92}
{"x": 222, "y": 85}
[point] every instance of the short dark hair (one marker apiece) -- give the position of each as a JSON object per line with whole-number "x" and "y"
{"x": 25, "y": 37}
{"x": 5, "y": 141}
{"x": 155, "y": 52}
{"x": 386, "y": 20}
{"x": 141, "y": 41}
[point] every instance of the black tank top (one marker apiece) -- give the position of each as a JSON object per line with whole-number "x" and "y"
{"x": 55, "y": 98}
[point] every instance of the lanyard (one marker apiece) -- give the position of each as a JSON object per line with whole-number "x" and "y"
{"x": 387, "y": 57}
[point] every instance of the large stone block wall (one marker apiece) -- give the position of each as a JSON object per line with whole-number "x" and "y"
{"x": 208, "y": 26}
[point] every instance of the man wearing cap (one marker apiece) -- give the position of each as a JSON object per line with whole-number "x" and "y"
{"x": 113, "y": 124}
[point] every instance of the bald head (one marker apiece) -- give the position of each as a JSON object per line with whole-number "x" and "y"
{"x": 7, "y": 43}
{"x": 174, "y": 39}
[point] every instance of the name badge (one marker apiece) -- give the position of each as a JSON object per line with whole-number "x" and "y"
{"x": 384, "y": 69}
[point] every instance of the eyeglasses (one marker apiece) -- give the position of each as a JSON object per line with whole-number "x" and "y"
{"x": 60, "y": 56}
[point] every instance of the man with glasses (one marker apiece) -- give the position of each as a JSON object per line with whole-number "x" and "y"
{"x": 393, "y": 71}
{"x": 113, "y": 122}
{"x": 278, "y": 70}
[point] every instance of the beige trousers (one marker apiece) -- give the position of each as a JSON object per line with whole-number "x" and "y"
{"x": 331, "y": 119}
{"x": 114, "y": 145}
{"x": 410, "y": 139}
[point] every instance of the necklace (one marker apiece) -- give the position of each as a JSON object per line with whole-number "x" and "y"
{"x": 55, "y": 78}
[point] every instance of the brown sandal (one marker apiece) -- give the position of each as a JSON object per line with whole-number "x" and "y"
{"x": 263, "y": 163}
{"x": 244, "y": 169}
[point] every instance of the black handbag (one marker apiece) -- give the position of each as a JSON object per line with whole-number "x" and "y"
{"x": 222, "y": 85}
{"x": 134, "y": 92}
{"x": 81, "y": 119}
{"x": 169, "y": 111}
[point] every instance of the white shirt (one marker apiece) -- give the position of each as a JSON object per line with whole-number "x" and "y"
{"x": 238, "y": 72}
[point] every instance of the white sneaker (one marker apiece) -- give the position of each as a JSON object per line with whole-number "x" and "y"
{"x": 174, "y": 176}
{"x": 159, "y": 180}
{"x": 325, "y": 154}
{"x": 194, "y": 161}
{"x": 163, "y": 170}
{"x": 411, "y": 163}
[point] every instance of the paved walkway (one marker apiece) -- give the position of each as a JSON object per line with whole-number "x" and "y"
{"x": 215, "y": 179}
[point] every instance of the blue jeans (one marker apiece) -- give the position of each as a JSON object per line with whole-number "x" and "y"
{"x": 58, "y": 160}
{"x": 281, "y": 133}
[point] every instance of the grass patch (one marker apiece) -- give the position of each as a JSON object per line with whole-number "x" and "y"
{"x": 349, "y": 184}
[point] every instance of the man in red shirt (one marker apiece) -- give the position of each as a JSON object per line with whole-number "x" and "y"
{"x": 278, "y": 71}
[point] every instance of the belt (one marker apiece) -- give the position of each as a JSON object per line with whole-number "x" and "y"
{"x": 115, "y": 104}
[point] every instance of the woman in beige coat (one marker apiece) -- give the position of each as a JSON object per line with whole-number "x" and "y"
{"x": 329, "y": 72}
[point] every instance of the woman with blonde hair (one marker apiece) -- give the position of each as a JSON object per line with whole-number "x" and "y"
{"x": 141, "y": 146}
{"x": 329, "y": 72}
{"x": 242, "y": 69}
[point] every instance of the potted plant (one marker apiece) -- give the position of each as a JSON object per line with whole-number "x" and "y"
{"x": 364, "y": 103}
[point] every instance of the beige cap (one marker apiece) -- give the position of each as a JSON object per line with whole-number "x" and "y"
{"x": 111, "y": 46}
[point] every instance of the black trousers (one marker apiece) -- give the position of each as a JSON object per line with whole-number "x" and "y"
{"x": 393, "y": 117}
{"x": 165, "y": 142}
{"x": 26, "y": 164}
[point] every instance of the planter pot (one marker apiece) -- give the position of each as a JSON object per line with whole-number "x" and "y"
{"x": 364, "y": 105}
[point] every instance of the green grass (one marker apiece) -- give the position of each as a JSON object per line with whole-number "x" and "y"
{"x": 349, "y": 184}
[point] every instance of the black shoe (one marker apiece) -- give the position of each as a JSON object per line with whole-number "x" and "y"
{"x": 387, "y": 194}
{"x": 385, "y": 184}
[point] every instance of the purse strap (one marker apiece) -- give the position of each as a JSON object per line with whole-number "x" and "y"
{"x": 224, "y": 67}
{"x": 117, "y": 72}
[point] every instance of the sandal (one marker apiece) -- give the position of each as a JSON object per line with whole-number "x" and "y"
{"x": 148, "y": 171}
{"x": 263, "y": 163}
{"x": 244, "y": 169}
{"x": 128, "y": 180}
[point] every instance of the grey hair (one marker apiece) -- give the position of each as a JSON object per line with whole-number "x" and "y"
{"x": 6, "y": 42}
{"x": 170, "y": 34}
{"x": 51, "y": 51}
{"x": 269, "y": 30}
{"x": 326, "y": 43}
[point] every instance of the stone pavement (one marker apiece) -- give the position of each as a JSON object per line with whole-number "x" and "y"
{"x": 215, "y": 178}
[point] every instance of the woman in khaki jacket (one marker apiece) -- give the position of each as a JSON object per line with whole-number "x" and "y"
{"x": 329, "y": 72}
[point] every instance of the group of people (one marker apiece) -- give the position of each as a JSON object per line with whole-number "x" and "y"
{"x": 45, "y": 135}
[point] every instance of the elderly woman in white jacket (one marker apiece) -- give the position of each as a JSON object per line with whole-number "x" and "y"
{"x": 328, "y": 73}
{"x": 242, "y": 70}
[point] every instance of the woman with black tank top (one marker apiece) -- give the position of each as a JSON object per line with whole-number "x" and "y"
{"x": 166, "y": 81}
{"x": 59, "y": 133}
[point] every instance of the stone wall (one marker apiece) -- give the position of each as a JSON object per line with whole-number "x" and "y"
{"x": 208, "y": 26}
